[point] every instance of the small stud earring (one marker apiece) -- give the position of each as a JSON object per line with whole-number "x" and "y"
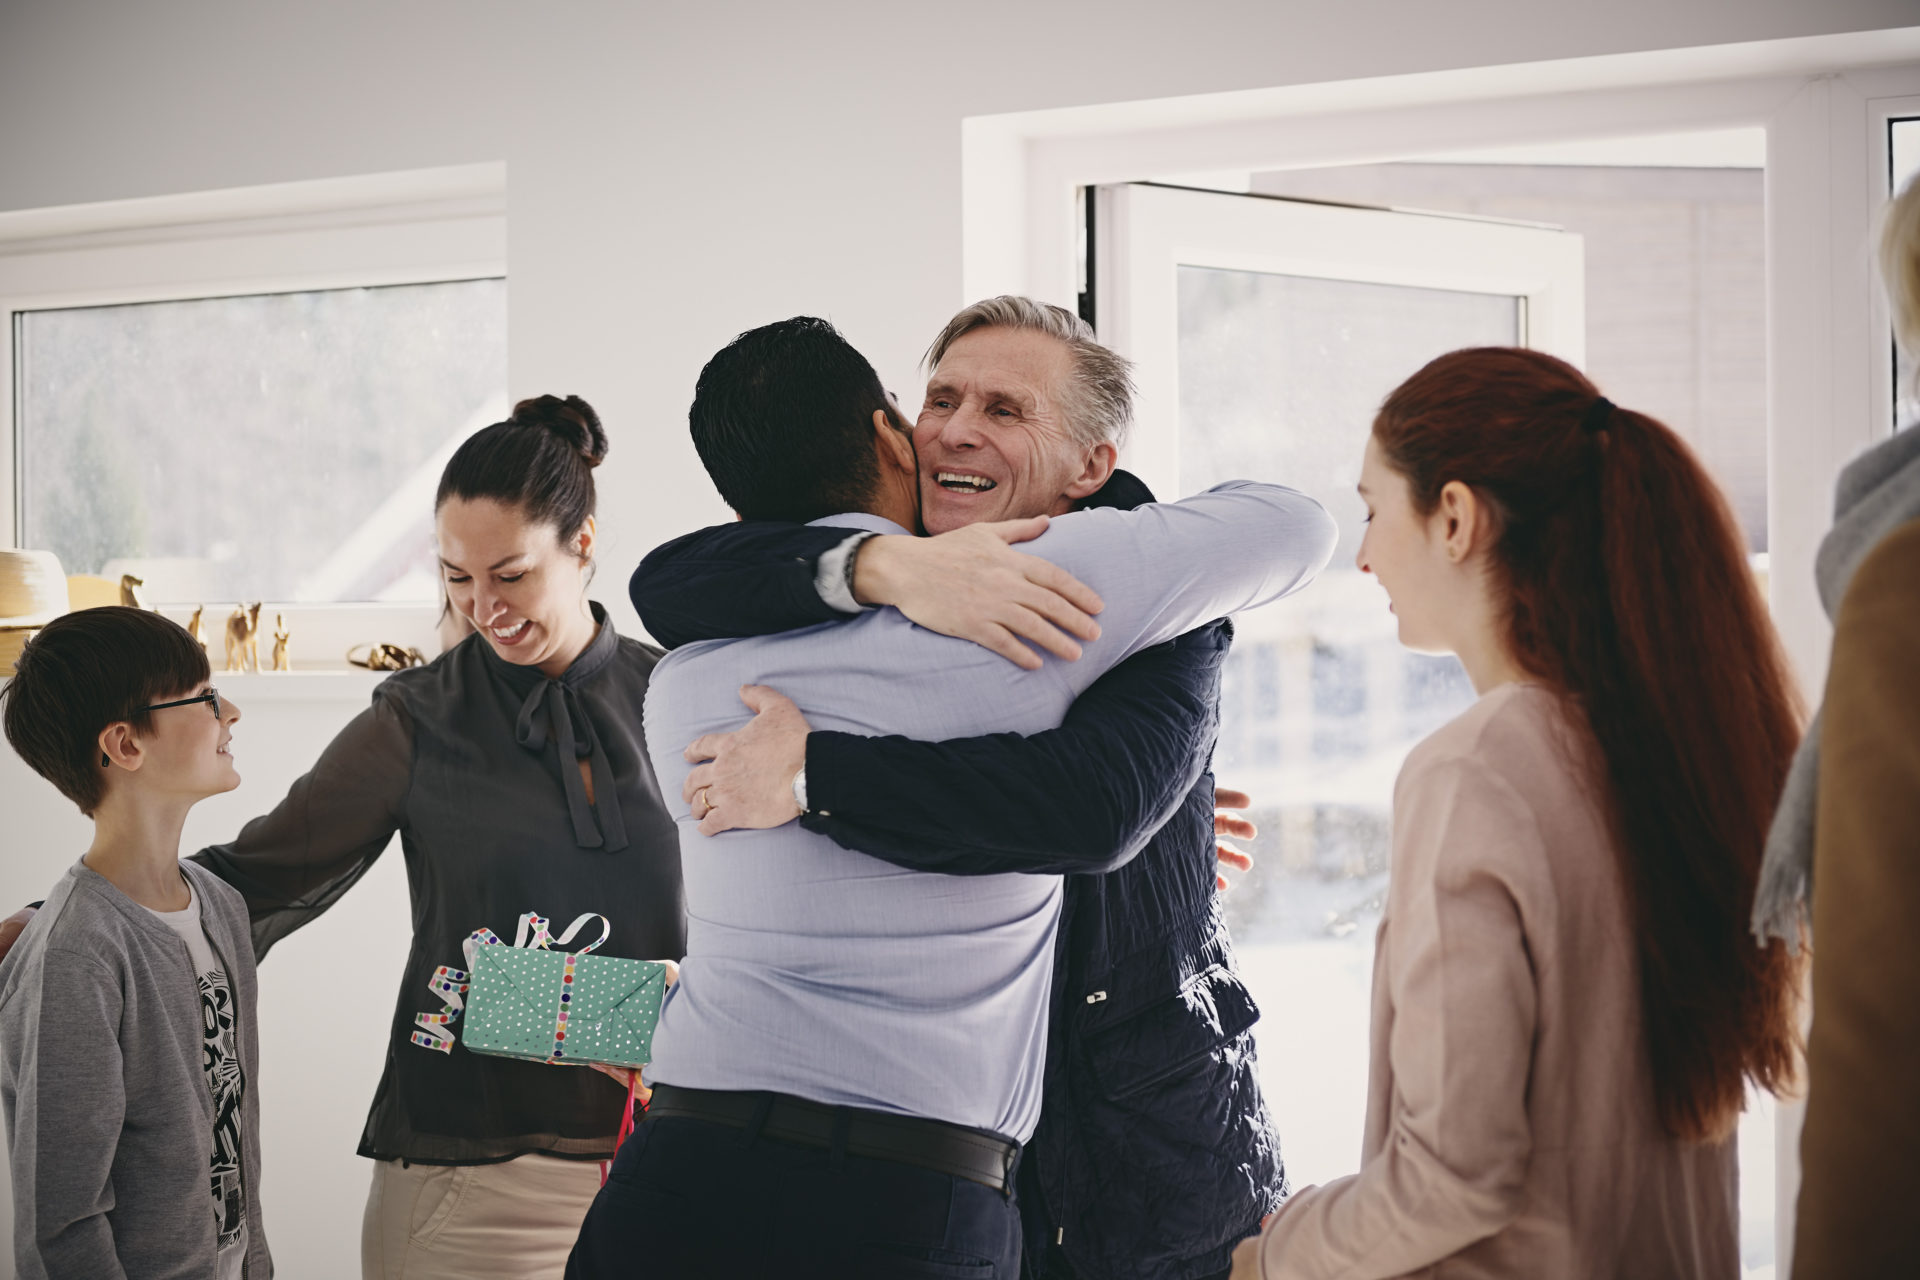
{"x": 104, "y": 762}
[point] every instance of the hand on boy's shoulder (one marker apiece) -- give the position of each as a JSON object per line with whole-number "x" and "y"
{"x": 10, "y": 929}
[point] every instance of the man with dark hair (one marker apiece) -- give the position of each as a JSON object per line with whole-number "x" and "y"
{"x": 825, "y": 389}
{"x": 127, "y": 1035}
{"x": 858, "y": 1044}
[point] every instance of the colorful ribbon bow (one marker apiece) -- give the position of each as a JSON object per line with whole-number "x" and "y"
{"x": 450, "y": 984}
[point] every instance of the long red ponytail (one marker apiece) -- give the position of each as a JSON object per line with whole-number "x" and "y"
{"x": 1630, "y": 593}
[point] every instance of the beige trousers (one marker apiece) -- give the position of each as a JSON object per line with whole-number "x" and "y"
{"x": 513, "y": 1221}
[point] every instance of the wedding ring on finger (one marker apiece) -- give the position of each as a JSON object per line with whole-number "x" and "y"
{"x": 706, "y": 805}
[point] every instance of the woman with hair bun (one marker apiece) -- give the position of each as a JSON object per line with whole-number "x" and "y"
{"x": 1567, "y": 1004}
{"x": 515, "y": 771}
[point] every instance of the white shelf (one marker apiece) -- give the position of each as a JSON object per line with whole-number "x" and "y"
{"x": 345, "y": 684}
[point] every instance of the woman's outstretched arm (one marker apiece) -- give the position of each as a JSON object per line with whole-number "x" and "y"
{"x": 295, "y": 862}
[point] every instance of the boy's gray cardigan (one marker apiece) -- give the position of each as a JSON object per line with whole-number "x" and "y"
{"x": 109, "y": 1115}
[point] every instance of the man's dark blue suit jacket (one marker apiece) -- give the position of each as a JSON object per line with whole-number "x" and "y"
{"x": 1155, "y": 1153}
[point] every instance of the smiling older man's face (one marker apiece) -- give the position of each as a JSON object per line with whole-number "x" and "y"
{"x": 993, "y": 438}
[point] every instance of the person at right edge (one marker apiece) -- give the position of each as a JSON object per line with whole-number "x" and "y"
{"x": 1155, "y": 1152}
{"x": 1849, "y": 823}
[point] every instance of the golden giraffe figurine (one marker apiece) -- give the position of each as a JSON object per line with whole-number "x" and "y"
{"x": 281, "y": 660}
{"x": 131, "y": 594}
{"x": 243, "y": 638}
{"x": 196, "y": 628}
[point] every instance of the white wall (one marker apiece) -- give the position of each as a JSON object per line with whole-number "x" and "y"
{"x": 676, "y": 174}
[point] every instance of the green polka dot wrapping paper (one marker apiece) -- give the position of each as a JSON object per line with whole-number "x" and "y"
{"x": 564, "y": 1007}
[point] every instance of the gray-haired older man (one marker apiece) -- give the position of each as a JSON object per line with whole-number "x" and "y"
{"x": 1154, "y": 1152}
{"x": 1024, "y": 415}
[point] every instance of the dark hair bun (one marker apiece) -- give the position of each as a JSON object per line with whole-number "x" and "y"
{"x": 571, "y": 419}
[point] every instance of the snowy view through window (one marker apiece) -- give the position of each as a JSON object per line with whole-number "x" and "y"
{"x": 280, "y": 446}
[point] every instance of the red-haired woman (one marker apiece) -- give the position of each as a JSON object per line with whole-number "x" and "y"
{"x": 1567, "y": 1003}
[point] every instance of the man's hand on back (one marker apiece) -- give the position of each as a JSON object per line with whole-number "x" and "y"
{"x": 1229, "y": 824}
{"x": 972, "y": 584}
{"x": 745, "y": 778}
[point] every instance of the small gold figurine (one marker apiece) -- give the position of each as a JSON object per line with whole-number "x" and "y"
{"x": 243, "y": 638}
{"x": 131, "y": 594}
{"x": 281, "y": 662}
{"x": 196, "y": 629}
{"x": 385, "y": 656}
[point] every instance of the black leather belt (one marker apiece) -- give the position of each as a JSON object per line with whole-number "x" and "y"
{"x": 973, "y": 1154}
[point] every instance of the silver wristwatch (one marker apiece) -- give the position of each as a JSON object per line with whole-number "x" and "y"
{"x": 833, "y": 574}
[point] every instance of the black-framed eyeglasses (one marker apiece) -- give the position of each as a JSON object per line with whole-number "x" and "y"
{"x": 211, "y": 695}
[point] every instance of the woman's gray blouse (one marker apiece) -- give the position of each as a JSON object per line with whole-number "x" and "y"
{"x": 476, "y": 763}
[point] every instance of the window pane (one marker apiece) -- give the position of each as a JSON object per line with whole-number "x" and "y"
{"x": 1903, "y": 144}
{"x": 1280, "y": 377}
{"x": 276, "y": 446}
{"x": 1676, "y": 286}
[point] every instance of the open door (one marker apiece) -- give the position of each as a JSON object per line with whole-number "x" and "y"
{"x": 1266, "y": 333}
{"x": 1299, "y": 317}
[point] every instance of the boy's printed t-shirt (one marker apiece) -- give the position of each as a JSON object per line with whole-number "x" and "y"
{"x": 220, "y": 1057}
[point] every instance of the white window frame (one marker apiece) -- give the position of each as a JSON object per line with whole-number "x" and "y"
{"x": 1824, "y": 102}
{"x": 1881, "y": 113}
{"x": 424, "y": 226}
{"x": 1152, "y": 231}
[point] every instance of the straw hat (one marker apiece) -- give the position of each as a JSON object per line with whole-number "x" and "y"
{"x": 33, "y": 589}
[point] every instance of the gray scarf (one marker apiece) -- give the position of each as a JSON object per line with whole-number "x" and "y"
{"x": 1877, "y": 493}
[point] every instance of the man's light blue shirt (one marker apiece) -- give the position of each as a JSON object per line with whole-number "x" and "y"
{"x": 820, "y": 972}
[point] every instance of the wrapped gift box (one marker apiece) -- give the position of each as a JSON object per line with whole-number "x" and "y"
{"x": 560, "y": 1006}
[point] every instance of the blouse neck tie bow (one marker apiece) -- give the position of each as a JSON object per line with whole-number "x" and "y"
{"x": 553, "y": 711}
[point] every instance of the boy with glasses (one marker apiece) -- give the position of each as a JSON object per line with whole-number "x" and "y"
{"x": 127, "y": 1033}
